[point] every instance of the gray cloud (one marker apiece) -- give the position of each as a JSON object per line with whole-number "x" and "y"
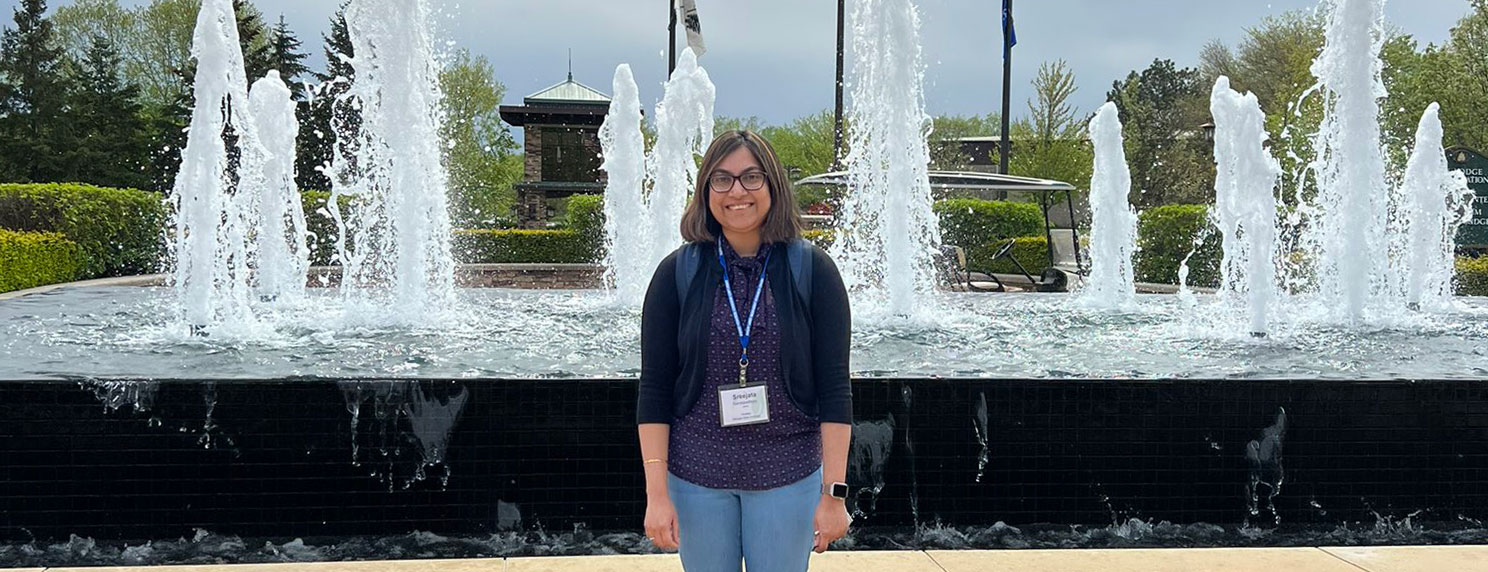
{"x": 774, "y": 58}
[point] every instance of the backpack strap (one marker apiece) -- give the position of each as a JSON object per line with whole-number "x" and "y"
{"x": 689, "y": 261}
{"x": 799, "y": 253}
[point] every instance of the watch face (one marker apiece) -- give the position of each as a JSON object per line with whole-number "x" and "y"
{"x": 839, "y": 490}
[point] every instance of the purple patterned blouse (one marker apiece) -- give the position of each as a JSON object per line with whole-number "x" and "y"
{"x": 748, "y": 457}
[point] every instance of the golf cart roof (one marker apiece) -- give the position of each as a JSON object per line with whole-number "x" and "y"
{"x": 961, "y": 180}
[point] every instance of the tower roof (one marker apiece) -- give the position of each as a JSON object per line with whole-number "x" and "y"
{"x": 569, "y": 92}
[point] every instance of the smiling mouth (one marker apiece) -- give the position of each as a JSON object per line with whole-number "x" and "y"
{"x": 738, "y": 207}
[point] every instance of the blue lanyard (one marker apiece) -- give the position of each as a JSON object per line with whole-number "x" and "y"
{"x": 743, "y": 329}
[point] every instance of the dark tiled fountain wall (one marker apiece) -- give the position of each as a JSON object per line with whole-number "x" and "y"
{"x": 286, "y": 458}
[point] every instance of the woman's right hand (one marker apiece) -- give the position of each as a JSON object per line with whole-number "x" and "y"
{"x": 661, "y": 523}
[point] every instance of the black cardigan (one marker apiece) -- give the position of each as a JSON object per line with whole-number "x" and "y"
{"x": 814, "y": 346}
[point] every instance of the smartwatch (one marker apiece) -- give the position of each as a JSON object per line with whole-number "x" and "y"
{"x": 835, "y": 490}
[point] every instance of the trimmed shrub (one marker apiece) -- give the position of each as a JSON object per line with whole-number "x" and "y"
{"x": 1166, "y": 235}
{"x": 586, "y": 217}
{"x": 1472, "y": 276}
{"x": 524, "y": 246}
{"x": 119, "y": 230}
{"x": 970, "y": 223}
{"x": 1031, "y": 251}
{"x": 31, "y": 259}
{"x": 821, "y": 238}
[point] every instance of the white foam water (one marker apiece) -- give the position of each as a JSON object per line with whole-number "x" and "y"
{"x": 216, "y": 206}
{"x": 684, "y": 128}
{"x": 1113, "y": 225}
{"x": 1347, "y": 229}
{"x": 283, "y": 255}
{"x": 1435, "y": 201}
{"x": 1245, "y": 201}
{"x": 887, "y": 232}
{"x": 628, "y": 252}
{"x": 395, "y": 244}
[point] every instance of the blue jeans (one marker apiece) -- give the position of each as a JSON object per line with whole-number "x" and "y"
{"x": 771, "y": 531}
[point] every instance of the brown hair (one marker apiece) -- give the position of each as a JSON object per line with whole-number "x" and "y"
{"x": 783, "y": 221}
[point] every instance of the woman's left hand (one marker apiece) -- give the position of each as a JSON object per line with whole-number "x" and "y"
{"x": 831, "y": 522}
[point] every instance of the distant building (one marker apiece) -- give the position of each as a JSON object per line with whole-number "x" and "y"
{"x": 560, "y": 141}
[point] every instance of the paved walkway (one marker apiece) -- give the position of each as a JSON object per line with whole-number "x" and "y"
{"x": 1330, "y": 559}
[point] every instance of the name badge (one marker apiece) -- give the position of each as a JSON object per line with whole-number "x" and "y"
{"x": 747, "y": 405}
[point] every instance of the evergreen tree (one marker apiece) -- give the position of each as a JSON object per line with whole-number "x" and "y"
{"x": 285, "y": 56}
{"x": 36, "y": 141}
{"x": 329, "y": 114}
{"x": 113, "y": 149}
{"x": 253, "y": 38}
{"x": 1162, "y": 109}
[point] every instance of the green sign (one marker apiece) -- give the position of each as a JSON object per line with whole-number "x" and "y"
{"x": 1475, "y": 166}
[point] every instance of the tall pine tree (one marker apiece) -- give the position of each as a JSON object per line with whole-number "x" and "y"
{"x": 113, "y": 149}
{"x": 329, "y": 110}
{"x": 254, "y": 40}
{"x": 285, "y": 56}
{"x": 36, "y": 141}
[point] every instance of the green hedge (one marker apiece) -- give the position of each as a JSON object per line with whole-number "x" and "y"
{"x": 822, "y": 238}
{"x": 120, "y": 231}
{"x": 970, "y": 223}
{"x": 586, "y": 216}
{"x": 1165, "y": 236}
{"x": 1031, "y": 251}
{"x": 524, "y": 246}
{"x": 31, "y": 259}
{"x": 1472, "y": 276}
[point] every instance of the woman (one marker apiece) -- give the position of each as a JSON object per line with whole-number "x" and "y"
{"x": 745, "y": 408}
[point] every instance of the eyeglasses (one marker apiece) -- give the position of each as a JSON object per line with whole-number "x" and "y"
{"x": 724, "y": 182}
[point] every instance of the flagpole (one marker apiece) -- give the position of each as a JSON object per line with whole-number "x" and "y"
{"x": 837, "y": 119}
{"x": 672, "y": 38}
{"x": 1007, "y": 83}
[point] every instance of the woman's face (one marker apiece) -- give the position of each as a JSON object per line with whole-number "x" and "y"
{"x": 736, "y": 203}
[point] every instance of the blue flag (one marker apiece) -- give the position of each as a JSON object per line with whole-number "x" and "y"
{"x": 1009, "y": 35}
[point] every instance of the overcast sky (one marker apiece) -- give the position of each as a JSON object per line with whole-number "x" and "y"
{"x": 775, "y": 58}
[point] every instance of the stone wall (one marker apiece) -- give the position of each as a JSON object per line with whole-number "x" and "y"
{"x": 530, "y": 276}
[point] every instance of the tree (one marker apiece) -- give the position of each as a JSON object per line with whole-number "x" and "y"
{"x": 1052, "y": 144}
{"x": 76, "y": 25}
{"x": 1161, "y": 111}
{"x": 805, "y": 144}
{"x": 946, "y": 135}
{"x": 37, "y": 142}
{"x": 113, "y": 148}
{"x": 722, "y": 124}
{"x": 328, "y": 110}
{"x": 481, "y": 152}
{"x": 160, "y": 53}
{"x": 254, "y": 40}
{"x": 285, "y": 56}
{"x": 1274, "y": 62}
{"x": 1454, "y": 75}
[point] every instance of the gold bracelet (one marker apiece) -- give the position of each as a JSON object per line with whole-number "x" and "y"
{"x": 649, "y": 461}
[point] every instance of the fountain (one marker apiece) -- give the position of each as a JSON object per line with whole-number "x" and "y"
{"x": 684, "y": 128}
{"x": 216, "y": 203}
{"x": 886, "y": 229}
{"x": 1436, "y": 201}
{"x": 1088, "y": 410}
{"x": 1244, "y": 189}
{"x": 283, "y": 256}
{"x": 1352, "y": 201}
{"x": 394, "y": 246}
{"x": 628, "y": 254}
{"x": 1113, "y": 224}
